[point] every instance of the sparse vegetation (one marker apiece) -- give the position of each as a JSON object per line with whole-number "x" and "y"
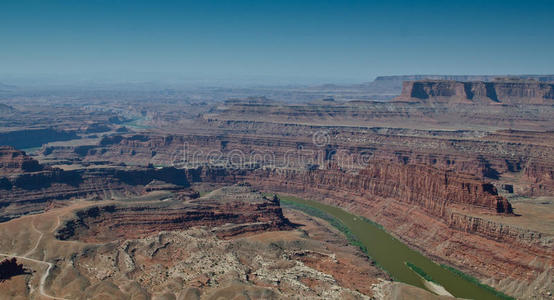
{"x": 477, "y": 282}
{"x": 420, "y": 272}
{"x": 10, "y": 268}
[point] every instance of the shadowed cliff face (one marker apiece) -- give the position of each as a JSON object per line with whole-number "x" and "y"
{"x": 478, "y": 92}
{"x": 34, "y": 137}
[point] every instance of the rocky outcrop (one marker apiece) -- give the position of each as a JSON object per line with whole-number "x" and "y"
{"x": 196, "y": 264}
{"x": 402, "y": 78}
{"x": 237, "y": 205}
{"x": 14, "y": 161}
{"x": 434, "y": 191}
{"x": 511, "y": 92}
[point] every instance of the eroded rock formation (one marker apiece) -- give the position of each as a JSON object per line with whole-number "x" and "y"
{"x": 512, "y": 92}
{"x": 29, "y": 187}
{"x": 238, "y": 205}
{"x": 13, "y": 161}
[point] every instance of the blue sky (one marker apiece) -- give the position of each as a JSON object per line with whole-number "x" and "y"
{"x": 308, "y": 41}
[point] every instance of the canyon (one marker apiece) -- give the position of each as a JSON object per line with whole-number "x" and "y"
{"x": 458, "y": 168}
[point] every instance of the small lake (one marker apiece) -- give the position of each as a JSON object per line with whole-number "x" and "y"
{"x": 392, "y": 255}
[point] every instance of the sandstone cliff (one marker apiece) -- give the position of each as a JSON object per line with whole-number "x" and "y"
{"x": 478, "y": 92}
{"x": 432, "y": 189}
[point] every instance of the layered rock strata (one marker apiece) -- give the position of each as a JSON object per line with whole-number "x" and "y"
{"x": 489, "y": 155}
{"x": 511, "y": 92}
{"x": 237, "y": 205}
{"x": 29, "y": 187}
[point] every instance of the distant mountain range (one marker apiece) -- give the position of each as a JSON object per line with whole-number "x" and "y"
{"x": 542, "y": 78}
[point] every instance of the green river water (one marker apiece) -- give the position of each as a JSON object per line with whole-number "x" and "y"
{"x": 392, "y": 255}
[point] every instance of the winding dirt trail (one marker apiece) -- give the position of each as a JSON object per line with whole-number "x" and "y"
{"x": 44, "y": 233}
{"x": 42, "y": 278}
{"x": 50, "y": 265}
{"x": 41, "y": 234}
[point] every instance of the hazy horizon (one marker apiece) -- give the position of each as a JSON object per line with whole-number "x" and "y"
{"x": 176, "y": 80}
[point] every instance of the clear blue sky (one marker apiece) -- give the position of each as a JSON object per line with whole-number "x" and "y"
{"x": 313, "y": 40}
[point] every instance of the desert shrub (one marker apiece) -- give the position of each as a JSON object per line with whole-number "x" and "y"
{"x": 10, "y": 268}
